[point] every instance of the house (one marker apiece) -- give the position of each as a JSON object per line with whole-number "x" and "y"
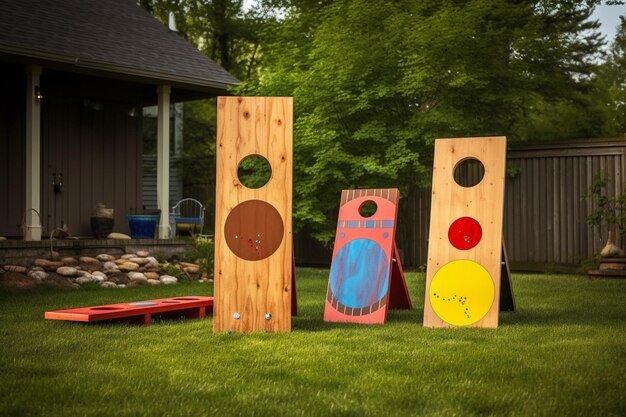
{"x": 75, "y": 76}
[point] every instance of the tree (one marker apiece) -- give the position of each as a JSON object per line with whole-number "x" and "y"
{"x": 611, "y": 86}
{"x": 375, "y": 82}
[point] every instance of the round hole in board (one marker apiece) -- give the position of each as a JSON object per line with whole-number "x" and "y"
{"x": 254, "y": 171}
{"x": 170, "y": 302}
{"x": 368, "y": 208}
{"x": 105, "y": 308}
{"x": 186, "y": 298}
{"x": 469, "y": 172}
{"x": 143, "y": 304}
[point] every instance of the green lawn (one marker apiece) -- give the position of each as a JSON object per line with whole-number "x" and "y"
{"x": 562, "y": 353}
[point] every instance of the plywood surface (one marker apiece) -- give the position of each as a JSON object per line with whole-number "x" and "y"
{"x": 474, "y": 262}
{"x": 253, "y": 237}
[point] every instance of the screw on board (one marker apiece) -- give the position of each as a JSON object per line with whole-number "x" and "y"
{"x": 236, "y": 316}
{"x": 268, "y": 316}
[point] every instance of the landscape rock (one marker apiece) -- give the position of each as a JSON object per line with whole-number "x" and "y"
{"x": 67, "y": 271}
{"x": 15, "y": 268}
{"x": 119, "y": 262}
{"x": 151, "y": 275}
{"x": 68, "y": 261}
{"x": 116, "y": 235}
{"x": 139, "y": 261}
{"x": 192, "y": 269}
{"x": 137, "y": 276}
{"x": 47, "y": 265}
{"x": 88, "y": 259}
{"x": 143, "y": 253}
{"x": 38, "y": 275}
{"x": 119, "y": 278}
{"x": 128, "y": 266}
{"x": 108, "y": 284}
{"x": 105, "y": 257}
{"x": 99, "y": 276}
{"x": 168, "y": 280}
{"x": 121, "y": 285}
{"x": 85, "y": 279}
{"x": 3, "y": 238}
{"x": 112, "y": 266}
{"x": 154, "y": 282}
{"x": 128, "y": 256}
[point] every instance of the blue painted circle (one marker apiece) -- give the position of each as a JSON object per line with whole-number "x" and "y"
{"x": 359, "y": 276}
{"x": 143, "y": 303}
{"x": 342, "y": 235}
{"x": 385, "y": 235}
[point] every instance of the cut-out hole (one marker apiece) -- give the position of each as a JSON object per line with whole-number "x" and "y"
{"x": 469, "y": 172}
{"x": 105, "y": 308}
{"x": 254, "y": 171}
{"x": 368, "y": 209}
{"x": 170, "y": 302}
{"x": 186, "y": 298}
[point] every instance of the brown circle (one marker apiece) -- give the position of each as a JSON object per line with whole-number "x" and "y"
{"x": 254, "y": 230}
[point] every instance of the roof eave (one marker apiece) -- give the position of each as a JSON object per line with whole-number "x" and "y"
{"x": 145, "y": 75}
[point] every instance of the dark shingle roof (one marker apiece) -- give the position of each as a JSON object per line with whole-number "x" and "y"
{"x": 114, "y": 36}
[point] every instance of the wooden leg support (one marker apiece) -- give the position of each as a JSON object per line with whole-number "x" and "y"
{"x": 142, "y": 320}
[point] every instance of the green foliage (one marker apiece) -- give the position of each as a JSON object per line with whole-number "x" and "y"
{"x": 560, "y": 354}
{"x": 254, "y": 171}
{"x": 174, "y": 271}
{"x": 374, "y": 83}
{"x": 611, "y": 86}
{"x": 203, "y": 251}
{"x": 608, "y": 210}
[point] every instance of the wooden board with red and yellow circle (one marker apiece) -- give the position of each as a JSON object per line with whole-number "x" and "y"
{"x": 465, "y": 237}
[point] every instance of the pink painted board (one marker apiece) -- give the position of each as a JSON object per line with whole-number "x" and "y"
{"x": 366, "y": 276}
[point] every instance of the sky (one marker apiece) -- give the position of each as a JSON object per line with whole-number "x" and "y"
{"x": 609, "y": 18}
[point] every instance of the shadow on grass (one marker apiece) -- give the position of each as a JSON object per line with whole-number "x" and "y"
{"x": 309, "y": 321}
{"x": 554, "y": 317}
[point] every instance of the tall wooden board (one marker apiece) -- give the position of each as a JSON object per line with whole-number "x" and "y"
{"x": 465, "y": 239}
{"x": 253, "y": 238}
{"x": 366, "y": 276}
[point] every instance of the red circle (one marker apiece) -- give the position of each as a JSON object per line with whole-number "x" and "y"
{"x": 465, "y": 233}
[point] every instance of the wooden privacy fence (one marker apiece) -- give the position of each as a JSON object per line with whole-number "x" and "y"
{"x": 544, "y": 212}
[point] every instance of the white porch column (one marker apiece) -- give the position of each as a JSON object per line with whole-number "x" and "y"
{"x": 32, "y": 229}
{"x": 163, "y": 159}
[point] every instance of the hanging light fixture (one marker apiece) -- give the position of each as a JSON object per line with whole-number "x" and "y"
{"x": 38, "y": 94}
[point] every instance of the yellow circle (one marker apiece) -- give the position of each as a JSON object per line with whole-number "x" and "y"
{"x": 461, "y": 292}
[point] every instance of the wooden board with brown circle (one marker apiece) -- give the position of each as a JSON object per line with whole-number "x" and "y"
{"x": 463, "y": 271}
{"x": 253, "y": 238}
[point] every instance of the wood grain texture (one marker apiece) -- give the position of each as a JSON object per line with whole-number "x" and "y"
{"x": 252, "y": 288}
{"x": 483, "y": 202}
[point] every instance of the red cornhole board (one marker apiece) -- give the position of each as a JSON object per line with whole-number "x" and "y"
{"x": 366, "y": 276}
{"x": 138, "y": 312}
